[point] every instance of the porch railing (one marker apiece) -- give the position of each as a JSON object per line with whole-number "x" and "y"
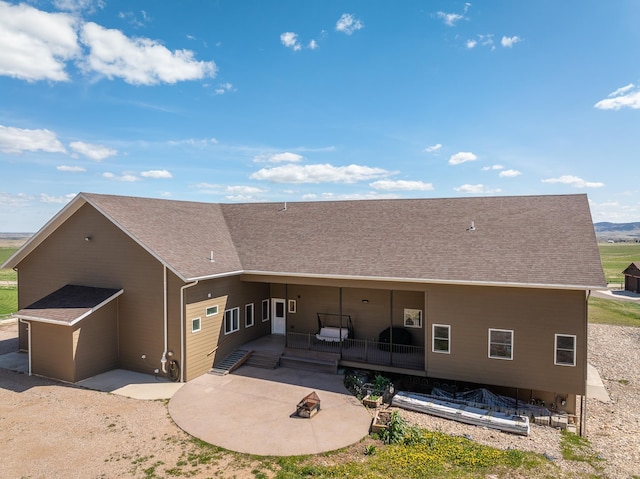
{"x": 362, "y": 350}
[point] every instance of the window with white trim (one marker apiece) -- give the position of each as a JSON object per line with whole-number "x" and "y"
{"x": 565, "y": 350}
{"x": 500, "y": 343}
{"x": 196, "y": 325}
{"x": 291, "y": 306}
{"x": 265, "y": 310}
{"x": 231, "y": 320}
{"x": 441, "y": 338}
{"x": 212, "y": 310}
{"x": 248, "y": 315}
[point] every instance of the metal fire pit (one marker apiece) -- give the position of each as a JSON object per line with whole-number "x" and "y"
{"x": 308, "y": 406}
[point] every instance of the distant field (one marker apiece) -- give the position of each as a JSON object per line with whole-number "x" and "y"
{"x": 616, "y": 257}
{"x": 611, "y": 311}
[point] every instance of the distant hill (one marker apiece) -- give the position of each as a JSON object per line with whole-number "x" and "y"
{"x": 617, "y": 231}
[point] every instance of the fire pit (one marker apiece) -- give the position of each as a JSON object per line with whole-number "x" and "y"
{"x": 308, "y": 406}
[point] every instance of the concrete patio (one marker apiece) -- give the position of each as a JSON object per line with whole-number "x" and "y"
{"x": 252, "y": 411}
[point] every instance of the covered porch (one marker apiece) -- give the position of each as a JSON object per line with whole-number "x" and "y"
{"x": 381, "y": 327}
{"x": 361, "y": 352}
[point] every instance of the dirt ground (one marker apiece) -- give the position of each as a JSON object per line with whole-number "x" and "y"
{"x": 52, "y": 429}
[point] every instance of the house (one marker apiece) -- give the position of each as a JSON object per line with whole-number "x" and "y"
{"x": 489, "y": 290}
{"x": 632, "y": 277}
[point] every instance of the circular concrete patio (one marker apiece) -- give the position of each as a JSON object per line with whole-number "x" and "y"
{"x": 252, "y": 411}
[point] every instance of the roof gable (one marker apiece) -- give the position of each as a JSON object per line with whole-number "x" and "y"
{"x": 633, "y": 269}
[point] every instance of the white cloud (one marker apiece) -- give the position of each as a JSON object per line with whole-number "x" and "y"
{"x": 508, "y": 42}
{"x": 36, "y": 44}
{"x": 477, "y": 189}
{"x": 625, "y": 97}
{"x": 401, "y": 185}
{"x": 224, "y": 88}
{"x": 193, "y": 142}
{"x": 71, "y": 169}
{"x": 451, "y": 19}
{"x": 76, "y": 6}
{"x": 462, "y": 157}
{"x": 433, "y": 148}
{"x": 285, "y": 157}
{"x": 482, "y": 40}
{"x": 290, "y": 40}
{"x": 156, "y": 174}
{"x": 313, "y": 45}
{"x": 44, "y": 198}
{"x": 509, "y": 173}
{"x": 574, "y": 181}
{"x": 14, "y": 201}
{"x": 126, "y": 177}
{"x": 244, "y": 190}
{"x": 92, "y": 151}
{"x": 139, "y": 61}
{"x": 348, "y": 24}
{"x": 321, "y": 173}
{"x": 492, "y": 167}
{"x": 19, "y": 140}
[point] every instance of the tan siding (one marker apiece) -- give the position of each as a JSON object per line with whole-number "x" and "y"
{"x": 534, "y": 316}
{"x": 111, "y": 260}
{"x": 237, "y": 294}
{"x": 95, "y": 342}
{"x": 200, "y": 344}
{"x": 52, "y": 352}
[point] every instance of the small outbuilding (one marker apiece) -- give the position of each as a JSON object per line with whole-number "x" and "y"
{"x": 632, "y": 277}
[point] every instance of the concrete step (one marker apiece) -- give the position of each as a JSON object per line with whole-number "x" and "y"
{"x": 265, "y": 360}
{"x": 230, "y": 362}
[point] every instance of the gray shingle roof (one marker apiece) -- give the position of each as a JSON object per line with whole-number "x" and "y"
{"x": 528, "y": 240}
{"x": 68, "y": 305}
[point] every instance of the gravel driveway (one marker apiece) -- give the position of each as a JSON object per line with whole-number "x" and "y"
{"x": 56, "y": 430}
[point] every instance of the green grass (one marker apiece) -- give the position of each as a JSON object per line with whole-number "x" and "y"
{"x": 431, "y": 455}
{"x": 7, "y": 274}
{"x": 8, "y": 300}
{"x": 616, "y": 257}
{"x": 611, "y": 311}
{"x": 578, "y": 448}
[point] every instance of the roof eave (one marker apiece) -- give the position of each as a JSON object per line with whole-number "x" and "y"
{"x": 430, "y": 281}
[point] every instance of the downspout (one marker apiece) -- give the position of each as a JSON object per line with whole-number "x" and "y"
{"x": 28, "y": 340}
{"x": 583, "y": 408}
{"x": 182, "y": 288}
{"x": 163, "y": 359}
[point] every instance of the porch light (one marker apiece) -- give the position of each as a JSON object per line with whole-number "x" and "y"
{"x": 365, "y": 301}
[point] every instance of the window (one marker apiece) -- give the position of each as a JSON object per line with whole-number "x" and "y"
{"x": 212, "y": 310}
{"x": 248, "y": 315}
{"x": 292, "y": 306}
{"x": 196, "y": 325}
{"x": 500, "y": 344}
{"x": 565, "y": 350}
{"x": 231, "y": 320}
{"x": 440, "y": 338}
{"x": 265, "y": 310}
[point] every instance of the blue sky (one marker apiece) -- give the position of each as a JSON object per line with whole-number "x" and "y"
{"x": 243, "y": 101}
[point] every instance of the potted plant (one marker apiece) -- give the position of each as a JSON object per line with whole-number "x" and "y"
{"x": 372, "y": 400}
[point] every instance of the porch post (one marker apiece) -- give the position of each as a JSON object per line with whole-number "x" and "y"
{"x": 340, "y": 312}
{"x": 391, "y": 327}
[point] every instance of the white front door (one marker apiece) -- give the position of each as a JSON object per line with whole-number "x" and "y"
{"x": 278, "y": 316}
